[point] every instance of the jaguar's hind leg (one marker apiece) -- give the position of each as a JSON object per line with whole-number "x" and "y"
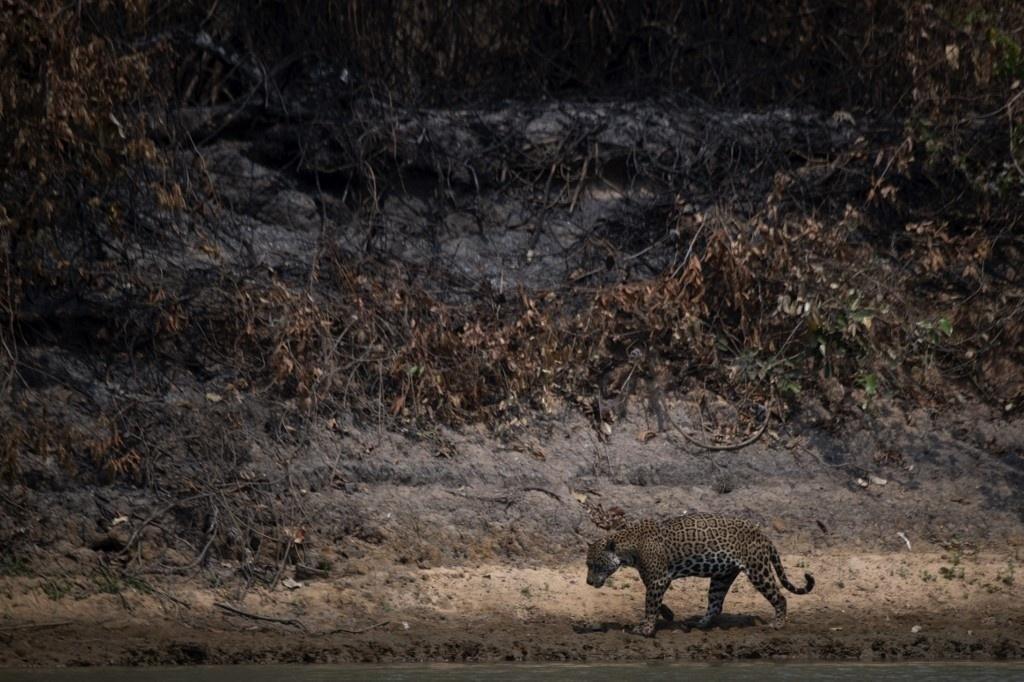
{"x": 719, "y": 587}
{"x": 765, "y": 583}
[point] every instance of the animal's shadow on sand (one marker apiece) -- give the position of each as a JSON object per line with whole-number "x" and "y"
{"x": 722, "y": 622}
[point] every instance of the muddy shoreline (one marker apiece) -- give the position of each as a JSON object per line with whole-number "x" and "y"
{"x": 867, "y": 607}
{"x": 478, "y": 557}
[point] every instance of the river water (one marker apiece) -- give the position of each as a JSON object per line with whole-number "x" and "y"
{"x": 968, "y": 672}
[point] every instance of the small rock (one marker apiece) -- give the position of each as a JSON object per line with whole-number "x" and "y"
{"x": 113, "y": 540}
{"x": 778, "y": 525}
{"x": 84, "y": 556}
{"x": 149, "y": 552}
{"x": 862, "y": 483}
{"x": 64, "y": 547}
{"x": 291, "y": 583}
{"x": 76, "y": 532}
{"x": 371, "y": 533}
{"x": 916, "y": 629}
{"x": 173, "y": 557}
{"x": 877, "y": 480}
{"x": 152, "y": 534}
{"x": 834, "y": 391}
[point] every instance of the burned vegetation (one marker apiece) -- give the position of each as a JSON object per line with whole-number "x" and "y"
{"x": 241, "y": 241}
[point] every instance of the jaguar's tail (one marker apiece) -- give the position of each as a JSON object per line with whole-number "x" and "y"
{"x": 781, "y": 572}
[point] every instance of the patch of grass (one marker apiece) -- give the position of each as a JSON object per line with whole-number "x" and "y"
{"x": 954, "y": 570}
{"x": 56, "y": 588}
{"x": 108, "y": 582}
{"x": 1006, "y": 577}
{"x": 137, "y": 584}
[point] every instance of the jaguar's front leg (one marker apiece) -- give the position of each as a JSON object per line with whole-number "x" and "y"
{"x": 652, "y": 606}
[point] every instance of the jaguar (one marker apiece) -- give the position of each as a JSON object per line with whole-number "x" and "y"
{"x": 702, "y": 545}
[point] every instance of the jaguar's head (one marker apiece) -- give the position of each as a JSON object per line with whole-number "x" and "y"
{"x": 602, "y": 561}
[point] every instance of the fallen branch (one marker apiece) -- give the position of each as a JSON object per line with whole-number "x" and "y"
{"x": 12, "y": 502}
{"x": 170, "y": 597}
{"x": 254, "y": 74}
{"x": 726, "y": 446}
{"x": 133, "y": 538}
{"x": 545, "y": 491}
{"x": 503, "y": 499}
{"x": 354, "y": 632}
{"x": 36, "y": 626}
{"x": 255, "y": 616}
{"x": 157, "y": 514}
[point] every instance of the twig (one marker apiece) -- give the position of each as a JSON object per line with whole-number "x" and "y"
{"x": 185, "y": 500}
{"x": 284, "y": 562}
{"x": 254, "y": 74}
{"x": 689, "y": 250}
{"x": 170, "y": 597}
{"x": 36, "y": 626}
{"x": 503, "y": 499}
{"x": 727, "y": 446}
{"x": 157, "y": 514}
{"x": 12, "y": 502}
{"x": 542, "y": 490}
{"x": 269, "y": 619}
{"x": 358, "y": 631}
{"x": 822, "y": 462}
